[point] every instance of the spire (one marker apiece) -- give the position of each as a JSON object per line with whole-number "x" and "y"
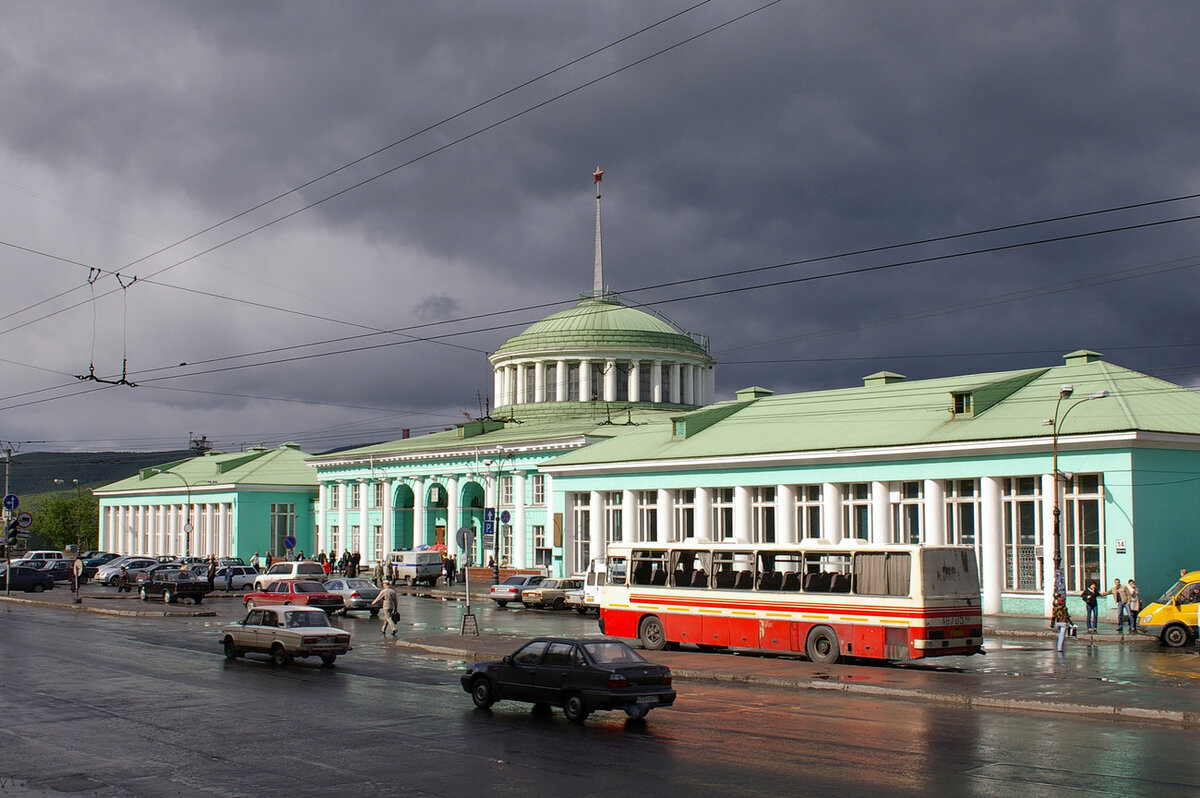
{"x": 598, "y": 272}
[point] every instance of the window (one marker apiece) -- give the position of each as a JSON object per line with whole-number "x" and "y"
{"x": 808, "y": 512}
{"x": 649, "y": 567}
{"x": 826, "y": 573}
{"x": 506, "y": 490}
{"x": 906, "y": 514}
{"x": 530, "y": 382}
{"x": 377, "y": 494}
{"x": 335, "y": 539}
{"x": 551, "y": 382}
{"x": 779, "y": 570}
{"x": 856, "y": 511}
{"x": 1022, "y": 534}
{"x": 733, "y": 570}
{"x": 690, "y": 568}
{"x": 762, "y": 503}
{"x": 882, "y": 574}
{"x": 614, "y": 572}
{"x": 543, "y": 555}
{"x": 504, "y": 556}
{"x": 647, "y": 504}
{"x": 335, "y": 496}
{"x": 685, "y": 513}
{"x": 644, "y": 369}
{"x": 539, "y": 488}
{"x": 722, "y": 513}
{"x": 612, "y": 517}
{"x": 531, "y": 653}
{"x": 1082, "y": 528}
{"x": 622, "y": 382}
{"x": 963, "y": 404}
{"x": 376, "y": 542}
{"x": 283, "y": 525}
{"x": 962, "y": 512}
{"x": 581, "y": 519}
{"x": 597, "y": 387}
{"x": 572, "y": 382}
{"x": 355, "y": 495}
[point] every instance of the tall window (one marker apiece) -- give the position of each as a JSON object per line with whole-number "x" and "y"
{"x": 622, "y": 381}
{"x": 376, "y": 542}
{"x": 1023, "y": 535}
{"x": 1083, "y": 531}
{"x": 573, "y": 385}
{"x": 377, "y": 494}
{"x": 685, "y": 513}
{"x": 543, "y": 555}
{"x": 530, "y": 382}
{"x": 962, "y": 514}
{"x": 722, "y": 513}
{"x": 283, "y": 525}
{"x": 581, "y": 519}
{"x": 335, "y": 496}
{"x": 762, "y": 504}
{"x": 647, "y": 504}
{"x": 906, "y": 514}
{"x": 506, "y": 490}
{"x": 355, "y": 495}
{"x": 506, "y": 544}
{"x": 856, "y": 511}
{"x": 335, "y": 539}
{"x": 597, "y": 388}
{"x": 808, "y": 511}
{"x": 644, "y": 369}
{"x": 551, "y": 382}
{"x": 613, "y": 530}
{"x": 539, "y": 488}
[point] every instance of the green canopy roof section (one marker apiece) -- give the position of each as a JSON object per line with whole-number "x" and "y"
{"x": 1012, "y": 406}
{"x": 259, "y": 466}
{"x": 602, "y": 325}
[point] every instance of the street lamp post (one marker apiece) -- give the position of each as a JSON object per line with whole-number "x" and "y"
{"x": 187, "y": 526}
{"x": 78, "y": 532}
{"x": 1056, "y": 424}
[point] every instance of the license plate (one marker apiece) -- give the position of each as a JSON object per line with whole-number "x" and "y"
{"x": 647, "y": 699}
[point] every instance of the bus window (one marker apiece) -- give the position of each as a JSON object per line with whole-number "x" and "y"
{"x": 826, "y": 573}
{"x": 774, "y": 568}
{"x": 690, "y": 568}
{"x": 649, "y": 567}
{"x": 882, "y": 573}
{"x": 949, "y": 572}
{"x": 733, "y": 570}
{"x": 616, "y": 571}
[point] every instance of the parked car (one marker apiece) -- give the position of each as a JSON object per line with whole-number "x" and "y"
{"x": 31, "y": 580}
{"x": 243, "y": 577}
{"x": 581, "y": 676}
{"x": 111, "y": 571}
{"x": 292, "y": 569}
{"x": 304, "y": 592}
{"x": 284, "y": 633}
{"x": 43, "y": 555}
{"x": 173, "y": 584}
{"x": 61, "y": 570}
{"x": 577, "y": 600}
{"x": 510, "y": 589}
{"x": 92, "y": 564}
{"x": 1172, "y": 618}
{"x": 92, "y": 554}
{"x": 230, "y": 561}
{"x": 170, "y": 565}
{"x": 415, "y": 567}
{"x": 551, "y": 593}
{"x": 356, "y": 593}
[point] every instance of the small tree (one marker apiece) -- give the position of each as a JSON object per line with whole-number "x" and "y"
{"x": 61, "y": 517}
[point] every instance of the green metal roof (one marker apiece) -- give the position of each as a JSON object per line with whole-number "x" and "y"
{"x": 1009, "y": 405}
{"x": 600, "y": 324}
{"x": 285, "y": 466}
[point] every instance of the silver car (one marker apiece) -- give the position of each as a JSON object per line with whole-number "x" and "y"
{"x": 110, "y": 572}
{"x": 357, "y": 593}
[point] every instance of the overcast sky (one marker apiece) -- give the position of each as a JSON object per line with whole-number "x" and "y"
{"x": 800, "y": 131}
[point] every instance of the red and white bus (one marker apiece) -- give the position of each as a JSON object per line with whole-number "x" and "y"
{"x": 852, "y": 599}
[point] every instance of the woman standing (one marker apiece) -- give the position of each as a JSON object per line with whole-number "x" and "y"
{"x": 1135, "y": 605}
{"x": 1060, "y": 620}
{"x": 1091, "y": 595}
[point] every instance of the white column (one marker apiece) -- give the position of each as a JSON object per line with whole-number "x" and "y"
{"x": 831, "y": 512}
{"x": 389, "y": 516}
{"x": 521, "y": 397}
{"x": 664, "y": 508}
{"x": 710, "y": 385}
{"x": 656, "y": 382}
{"x": 222, "y": 532}
{"x": 210, "y": 528}
{"x": 364, "y": 526}
{"x": 675, "y": 392}
{"x": 703, "y": 513}
{"x": 160, "y": 540}
{"x": 785, "y": 513}
{"x": 698, "y": 382}
{"x": 498, "y": 386}
{"x": 689, "y": 384}
{"x": 561, "y": 380}
{"x": 991, "y": 544}
{"x": 596, "y": 525}
{"x": 322, "y": 520}
{"x": 935, "y": 512}
{"x": 881, "y": 514}
{"x": 585, "y": 384}
{"x": 453, "y": 515}
{"x": 520, "y": 558}
{"x": 743, "y": 512}
{"x": 1048, "y": 542}
{"x": 539, "y": 381}
{"x": 569, "y": 532}
{"x": 635, "y": 381}
{"x": 419, "y": 534}
{"x": 610, "y": 380}
{"x": 629, "y": 516}
{"x": 343, "y": 489}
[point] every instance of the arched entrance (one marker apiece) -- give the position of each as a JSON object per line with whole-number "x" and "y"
{"x": 435, "y": 513}
{"x": 402, "y": 518}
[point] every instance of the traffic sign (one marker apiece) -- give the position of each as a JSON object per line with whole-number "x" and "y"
{"x": 464, "y": 536}
{"x": 505, "y": 516}
{"x": 489, "y": 541}
{"x": 24, "y": 520}
{"x": 78, "y": 567}
{"x": 489, "y": 528}
{"x": 489, "y": 514}
{"x": 11, "y": 502}
{"x": 289, "y": 542}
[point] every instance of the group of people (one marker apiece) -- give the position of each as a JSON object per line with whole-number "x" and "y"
{"x": 1127, "y": 597}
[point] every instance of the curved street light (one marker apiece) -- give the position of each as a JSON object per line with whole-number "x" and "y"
{"x": 1056, "y": 424}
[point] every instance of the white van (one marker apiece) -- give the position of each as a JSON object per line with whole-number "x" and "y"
{"x": 593, "y": 582}
{"x": 415, "y": 567}
{"x": 43, "y": 555}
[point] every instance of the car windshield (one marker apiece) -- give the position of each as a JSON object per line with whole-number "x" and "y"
{"x": 610, "y": 653}
{"x": 295, "y": 620}
{"x": 358, "y": 584}
{"x": 308, "y": 587}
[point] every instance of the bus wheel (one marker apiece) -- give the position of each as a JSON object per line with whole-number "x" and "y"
{"x": 822, "y": 645}
{"x": 1175, "y": 636}
{"x": 652, "y": 635}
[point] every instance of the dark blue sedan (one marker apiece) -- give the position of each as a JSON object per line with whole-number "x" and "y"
{"x": 30, "y": 580}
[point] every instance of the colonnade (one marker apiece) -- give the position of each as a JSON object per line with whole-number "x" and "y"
{"x": 673, "y": 382}
{"x": 160, "y": 529}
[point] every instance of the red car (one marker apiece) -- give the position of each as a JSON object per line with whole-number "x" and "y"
{"x": 296, "y": 591}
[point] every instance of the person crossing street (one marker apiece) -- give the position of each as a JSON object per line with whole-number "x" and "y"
{"x": 390, "y": 604}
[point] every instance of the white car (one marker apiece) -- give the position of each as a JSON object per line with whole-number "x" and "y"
{"x": 43, "y": 555}
{"x": 510, "y": 589}
{"x": 243, "y": 577}
{"x": 291, "y": 569}
{"x": 285, "y": 632}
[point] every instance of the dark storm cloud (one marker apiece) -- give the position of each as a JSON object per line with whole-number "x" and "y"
{"x": 807, "y": 129}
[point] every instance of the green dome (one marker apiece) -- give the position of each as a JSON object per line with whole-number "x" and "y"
{"x": 602, "y": 325}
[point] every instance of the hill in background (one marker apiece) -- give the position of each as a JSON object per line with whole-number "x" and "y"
{"x": 34, "y": 473}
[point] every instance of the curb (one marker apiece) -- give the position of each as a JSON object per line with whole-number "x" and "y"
{"x": 106, "y": 611}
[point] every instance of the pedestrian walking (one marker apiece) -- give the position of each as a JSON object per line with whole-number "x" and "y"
{"x": 448, "y": 569}
{"x": 228, "y": 578}
{"x": 212, "y": 573}
{"x": 390, "y": 605}
{"x": 1120, "y": 594}
{"x": 1091, "y": 595}
{"x": 377, "y": 574}
{"x": 326, "y": 567}
{"x": 1135, "y": 605}
{"x": 1060, "y": 619}
{"x": 254, "y": 560}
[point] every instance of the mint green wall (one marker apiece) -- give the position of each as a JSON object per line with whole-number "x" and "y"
{"x": 1166, "y": 501}
{"x": 253, "y": 525}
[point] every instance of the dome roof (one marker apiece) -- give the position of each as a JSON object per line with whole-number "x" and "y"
{"x": 602, "y": 325}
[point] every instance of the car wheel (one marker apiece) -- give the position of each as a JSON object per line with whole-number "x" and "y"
{"x": 198, "y": 599}
{"x": 637, "y": 711}
{"x": 329, "y": 659}
{"x": 575, "y": 708}
{"x": 374, "y": 613}
{"x": 231, "y": 651}
{"x": 502, "y": 603}
{"x": 481, "y": 692}
{"x": 38, "y": 588}
{"x": 279, "y": 656}
{"x": 168, "y": 597}
{"x": 822, "y": 645}
{"x": 652, "y": 635}
{"x": 560, "y": 603}
{"x": 1175, "y": 636}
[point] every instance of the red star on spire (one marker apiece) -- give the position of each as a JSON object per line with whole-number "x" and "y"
{"x": 597, "y": 175}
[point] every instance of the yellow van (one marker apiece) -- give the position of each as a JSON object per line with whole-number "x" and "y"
{"x": 1172, "y": 619}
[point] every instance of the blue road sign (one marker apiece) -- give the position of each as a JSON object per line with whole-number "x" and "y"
{"x": 489, "y": 527}
{"x": 505, "y": 516}
{"x": 489, "y": 513}
{"x": 11, "y": 502}
{"x": 289, "y": 542}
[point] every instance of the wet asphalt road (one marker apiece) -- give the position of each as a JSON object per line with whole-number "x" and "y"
{"x": 138, "y": 706}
